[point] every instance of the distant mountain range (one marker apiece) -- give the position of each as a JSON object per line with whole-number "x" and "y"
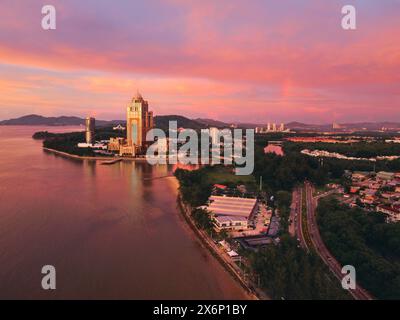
{"x": 162, "y": 122}
{"x": 211, "y": 122}
{"x": 36, "y": 120}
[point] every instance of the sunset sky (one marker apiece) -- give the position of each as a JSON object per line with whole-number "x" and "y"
{"x": 248, "y": 61}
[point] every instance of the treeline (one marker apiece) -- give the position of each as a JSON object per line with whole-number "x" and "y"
{"x": 41, "y": 135}
{"x": 194, "y": 186}
{"x": 360, "y": 149}
{"x": 288, "y": 272}
{"x": 337, "y": 167}
{"x": 283, "y": 173}
{"x": 105, "y": 133}
{"x": 365, "y": 241}
{"x": 282, "y": 203}
{"x": 101, "y": 133}
{"x": 68, "y": 142}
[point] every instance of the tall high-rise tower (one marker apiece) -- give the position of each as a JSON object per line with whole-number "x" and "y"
{"x": 89, "y": 129}
{"x": 214, "y": 134}
{"x": 139, "y": 120}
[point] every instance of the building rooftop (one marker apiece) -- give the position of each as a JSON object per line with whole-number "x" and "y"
{"x": 230, "y": 218}
{"x": 231, "y": 206}
{"x": 137, "y": 97}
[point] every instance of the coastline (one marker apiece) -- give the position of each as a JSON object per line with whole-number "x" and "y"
{"x": 73, "y": 156}
{"x": 251, "y": 290}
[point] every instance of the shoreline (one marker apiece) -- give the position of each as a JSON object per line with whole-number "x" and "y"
{"x": 250, "y": 290}
{"x": 73, "y": 156}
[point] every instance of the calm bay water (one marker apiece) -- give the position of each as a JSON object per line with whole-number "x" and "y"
{"x": 110, "y": 231}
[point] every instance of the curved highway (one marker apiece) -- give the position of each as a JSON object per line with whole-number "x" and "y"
{"x": 359, "y": 293}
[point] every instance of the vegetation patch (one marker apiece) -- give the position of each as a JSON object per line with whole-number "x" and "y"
{"x": 364, "y": 240}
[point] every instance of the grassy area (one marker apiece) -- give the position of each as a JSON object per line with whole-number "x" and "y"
{"x": 196, "y": 185}
{"x": 226, "y": 175}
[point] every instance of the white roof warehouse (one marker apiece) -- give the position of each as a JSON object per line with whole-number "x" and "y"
{"x": 231, "y": 212}
{"x": 231, "y": 206}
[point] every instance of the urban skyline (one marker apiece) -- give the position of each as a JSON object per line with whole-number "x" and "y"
{"x": 296, "y": 62}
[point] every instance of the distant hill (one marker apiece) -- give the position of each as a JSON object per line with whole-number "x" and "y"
{"x": 37, "y": 120}
{"x": 303, "y": 126}
{"x": 372, "y": 125}
{"x": 199, "y": 123}
{"x": 33, "y": 120}
{"x": 295, "y": 124}
{"x": 212, "y": 123}
{"x": 245, "y": 125}
{"x": 162, "y": 122}
{"x": 221, "y": 124}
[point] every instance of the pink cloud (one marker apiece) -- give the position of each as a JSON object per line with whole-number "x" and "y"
{"x": 203, "y": 58}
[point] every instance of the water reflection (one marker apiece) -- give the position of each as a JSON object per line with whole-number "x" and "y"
{"x": 110, "y": 231}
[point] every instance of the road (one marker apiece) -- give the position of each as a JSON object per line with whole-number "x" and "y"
{"x": 318, "y": 245}
{"x": 296, "y": 212}
{"x": 293, "y": 211}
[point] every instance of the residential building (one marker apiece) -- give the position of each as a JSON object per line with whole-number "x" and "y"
{"x": 115, "y": 144}
{"x": 385, "y": 175}
{"x": 90, "y": 124}
{"x": 392, "y": 212}
{"x": 119, "y": 128}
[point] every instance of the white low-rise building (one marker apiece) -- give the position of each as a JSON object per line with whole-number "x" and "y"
{"x": 92, "y": 145}
{"x": 231, "y": 213}
{"x": 230, "y": 223}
